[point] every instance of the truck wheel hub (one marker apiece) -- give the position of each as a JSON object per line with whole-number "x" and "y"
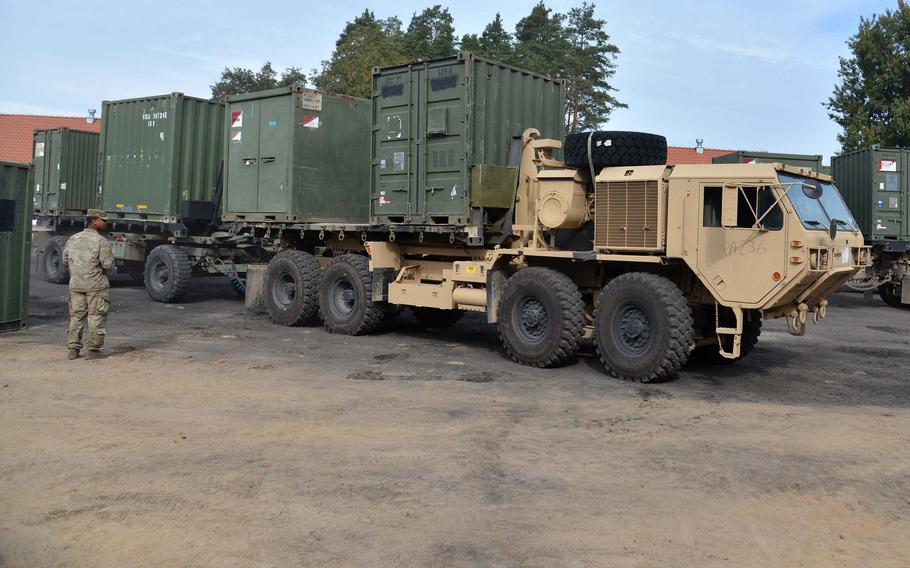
{"x": 634, "y": 329}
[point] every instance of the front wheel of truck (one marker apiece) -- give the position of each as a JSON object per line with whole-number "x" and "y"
{"x": 891, "y": 295}
{"x": 643, "y": 328}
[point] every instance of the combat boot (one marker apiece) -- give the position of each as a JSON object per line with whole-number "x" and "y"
{"x": 73, "y": 354}
{"x": 92, "y": 354}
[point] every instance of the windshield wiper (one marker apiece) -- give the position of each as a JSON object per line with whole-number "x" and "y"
{"x": 813, "y": 223}
{"x": 842, "y": 223}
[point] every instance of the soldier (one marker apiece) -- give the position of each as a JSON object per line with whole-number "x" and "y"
{"x": 89, "y": 257}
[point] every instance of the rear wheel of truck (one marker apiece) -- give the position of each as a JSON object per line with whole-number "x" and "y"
{"x": 292, "y": 287}
{"x": 891, "y": 295}
{"x": 541, "y": 320}
{"x": 643, "y": 327}
{"x": 346, "y": 297}
{"x": 168, "y": 272}
{"x": 615, "y": 148}
{"x": 55, "y": 271}
{"x": 435, "y": 318}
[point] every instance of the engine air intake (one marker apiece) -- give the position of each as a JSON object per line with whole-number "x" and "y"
{"x": 627, "y": 216}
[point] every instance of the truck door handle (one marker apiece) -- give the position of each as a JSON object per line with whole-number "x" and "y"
{"x": 269, "y": 160}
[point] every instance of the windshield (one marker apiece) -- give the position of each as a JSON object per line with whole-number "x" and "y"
{"x": 817, "y": 213}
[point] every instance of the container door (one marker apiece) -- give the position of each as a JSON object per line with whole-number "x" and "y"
{"x": 888, "y": 188}
{"x": 243, "y": 157}
{"x": 441, "y": 160}
{"x": 275, "y": 128}
{"x": 39, "y": 157}
{"x": 57, "y": 183}
{"x": 394, "y": 182}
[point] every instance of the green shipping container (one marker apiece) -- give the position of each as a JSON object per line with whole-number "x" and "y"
{"x": 296, "y": 155}
{"x": 442, "y": 134}
{"x": 66, "y": 166}
{"x": 15, "y": 244}
{"x": 809, "y": 161}
{"x": 160, "y": 157}
{"x": 875, "y": 183}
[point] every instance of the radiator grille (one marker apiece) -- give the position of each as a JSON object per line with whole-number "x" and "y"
{"x": 627, "y": 215}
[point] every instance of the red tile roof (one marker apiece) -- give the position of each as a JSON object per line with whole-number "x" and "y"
{"x": 687, "y": 155}
{"x": 16, "y": 132}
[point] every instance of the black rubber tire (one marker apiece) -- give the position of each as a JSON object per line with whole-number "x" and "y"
{"x": 292, "y": 287}
{"x": 752, "y": 323}
{"x": 168, "y": 273}
{"x": 615, "y": 148}
{"x": 891, "y": 295}
{"x": 541, "y": 319}
{"x": 54, "y": 270}
{"x": 643, "y": 302}
{"x": 434, "y": 318}
{"x": 346, "y": 297}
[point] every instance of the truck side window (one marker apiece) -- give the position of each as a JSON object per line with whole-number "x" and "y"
{"x": 759, "y": 200}
{"x": 711, "y": 215}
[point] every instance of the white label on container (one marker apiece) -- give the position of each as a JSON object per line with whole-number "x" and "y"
{"x": 63, "y": 186}
{"x": 887, "y": 165}
{"x": 39, "y": 149}
{"x": 311, "y": 100}
{"x": 236, "y": 119}
{"x": 881, "y": 186}
{"x": 161, "y": 135}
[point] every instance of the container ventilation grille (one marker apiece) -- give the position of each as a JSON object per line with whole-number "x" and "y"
{"x": 627, "y": 215}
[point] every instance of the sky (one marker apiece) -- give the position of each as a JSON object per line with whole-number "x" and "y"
{"x": 739, "y": 75}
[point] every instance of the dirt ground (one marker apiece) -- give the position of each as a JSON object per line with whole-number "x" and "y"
{"x": 211, "y": 438}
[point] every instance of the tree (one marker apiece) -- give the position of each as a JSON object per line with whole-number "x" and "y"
{"x": 591, "y": 61}
{"x": 241, "y": 80}
{"x": 470, "y": 42}
{"x": 365, "y": 43}
{"x": 496, "y": 43}
{"x": 871, "y": 102}
{"x": 540, "y": 42}
{"x": 430, "y": 35}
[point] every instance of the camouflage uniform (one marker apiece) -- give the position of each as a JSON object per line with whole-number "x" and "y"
{"x": 89, "y": 257}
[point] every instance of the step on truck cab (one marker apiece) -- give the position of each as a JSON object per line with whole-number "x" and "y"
{"x": 651, "y": 262}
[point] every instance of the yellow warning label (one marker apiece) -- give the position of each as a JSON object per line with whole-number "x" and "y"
{"x": 471, "y": 269}
{"x": 142, "y": 206}
{"x": 119, "y": 206}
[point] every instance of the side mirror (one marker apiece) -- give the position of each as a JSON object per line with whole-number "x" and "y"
{"x": 729, "y": 206}
{"x": 832, "y": 229}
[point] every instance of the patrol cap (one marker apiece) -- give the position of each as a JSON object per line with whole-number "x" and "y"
{"x": 97, "y": 214}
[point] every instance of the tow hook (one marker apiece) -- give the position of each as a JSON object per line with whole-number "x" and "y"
{"x": 820, "y": 311}
{"x": 797, "y": 319}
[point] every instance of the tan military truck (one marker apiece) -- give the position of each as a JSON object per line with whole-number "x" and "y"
{"x": 682, "y": 257}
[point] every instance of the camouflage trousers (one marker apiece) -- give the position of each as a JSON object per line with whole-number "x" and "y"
{"x": 91, "y": 308}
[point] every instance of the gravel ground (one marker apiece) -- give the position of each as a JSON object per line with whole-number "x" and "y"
{"x": 209, "y": 437}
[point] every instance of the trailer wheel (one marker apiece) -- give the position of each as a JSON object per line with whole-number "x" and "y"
{"x": 346, "y": 297}
{"x": 432, "y": 317}
{"x": 55, "y": 271}
{"x": 643, "y": 327}
{"x": 291, "y": 288}
{"x": 615, "y": 148}
{"x": 891, "y": 295}
{"x": 541, "y": 321}
{"x": 168, "y": 272}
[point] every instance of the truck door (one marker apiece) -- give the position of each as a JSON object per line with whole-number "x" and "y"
{"x": 740, "y": 261}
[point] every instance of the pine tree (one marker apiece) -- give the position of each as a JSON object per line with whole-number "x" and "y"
{"x": 241, "y": 80}
{"x": 590, "y": 62}
{"x": 496, "y": 43}
{"x": 430, "y": 35}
